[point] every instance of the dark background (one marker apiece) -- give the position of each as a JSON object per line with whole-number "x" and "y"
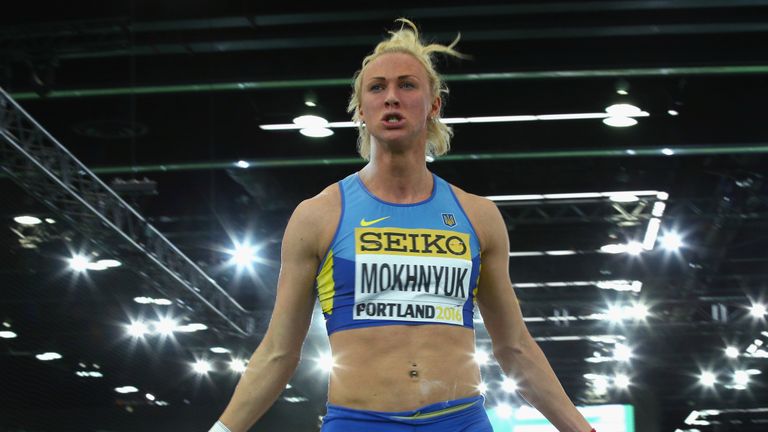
{"x": 101, "y": 77}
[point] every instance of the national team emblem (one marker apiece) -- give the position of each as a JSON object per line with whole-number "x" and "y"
{"x": 449, "y": 219}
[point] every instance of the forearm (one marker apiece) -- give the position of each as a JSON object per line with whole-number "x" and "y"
{"x": 261, "y": 383}
{"x": 538, "y": 384}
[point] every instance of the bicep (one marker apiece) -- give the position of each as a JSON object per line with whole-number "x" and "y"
{"x": 294, "y": 300}
{"x": 496, "y": 298}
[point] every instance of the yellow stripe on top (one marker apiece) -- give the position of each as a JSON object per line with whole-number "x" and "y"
{"x": 326, "y": 287}
{"x": 412, "y": 242}
{"x": 477, "y": 282}
{"x": 419, "y": 416}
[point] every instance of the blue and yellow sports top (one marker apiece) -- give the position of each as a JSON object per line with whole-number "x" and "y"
{"x": 394, "y": 264}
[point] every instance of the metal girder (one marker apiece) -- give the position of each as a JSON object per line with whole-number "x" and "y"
{"x": 46, "y": 170}
{"x": 604, "y": 210}
{"x": 450, "y": 78}
{"x": 120, "y": 25}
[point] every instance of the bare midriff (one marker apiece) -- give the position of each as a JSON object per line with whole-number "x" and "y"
{"x": 401, "y": 368}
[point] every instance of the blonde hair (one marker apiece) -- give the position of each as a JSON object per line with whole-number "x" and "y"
{"x": 407, "y": 41}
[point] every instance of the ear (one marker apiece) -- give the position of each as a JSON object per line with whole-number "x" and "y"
{"x": 435, "y": 108}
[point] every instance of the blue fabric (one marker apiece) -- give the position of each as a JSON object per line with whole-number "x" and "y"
{"x": 470, "y": 419}
{"x": 391, "y": 264}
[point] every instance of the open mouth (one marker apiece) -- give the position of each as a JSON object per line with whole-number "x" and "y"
{"x": 392, "y": 118}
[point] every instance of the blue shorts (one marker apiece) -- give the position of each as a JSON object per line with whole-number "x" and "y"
{"x": 460, "y": 415}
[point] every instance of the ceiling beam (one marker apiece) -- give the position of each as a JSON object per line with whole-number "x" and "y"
{"x": 347, "y": 82}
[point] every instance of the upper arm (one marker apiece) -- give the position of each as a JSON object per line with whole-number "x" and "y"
{"x": 496, "y": 298}
{"x": 292, "y": 313}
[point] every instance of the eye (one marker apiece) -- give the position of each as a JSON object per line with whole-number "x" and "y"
{"x": 375, "y": 87}
{"x": 407, "y": 85}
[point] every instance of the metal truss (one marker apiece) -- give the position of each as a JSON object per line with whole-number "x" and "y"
{"x": 46, "y": 170}
{"x": 539, "y": 212}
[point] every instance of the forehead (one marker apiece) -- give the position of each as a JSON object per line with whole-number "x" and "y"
{"x": 393, "y": 65}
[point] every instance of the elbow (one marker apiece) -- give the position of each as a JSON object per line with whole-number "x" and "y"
{"x": 277, "y": 355}
{"x": 507, "y": 355}
{"x": 285, "y": 358}
{"x": 512, "y": 354}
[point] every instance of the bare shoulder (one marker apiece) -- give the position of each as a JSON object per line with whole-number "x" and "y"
{"x": 329, "y": 200}
{"x": 482, "y": 212}
{"x": 317, "y": 217}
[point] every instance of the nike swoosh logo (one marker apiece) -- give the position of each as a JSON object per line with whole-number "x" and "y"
{"x": 366, "y": 223}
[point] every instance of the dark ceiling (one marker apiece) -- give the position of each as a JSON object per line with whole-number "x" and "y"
{"x": 174, "y": 92}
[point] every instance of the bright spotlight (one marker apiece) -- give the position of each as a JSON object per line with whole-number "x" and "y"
{"x": 615, "y": 314}
{"x": 672, "y": 241}
{"x": 504, "y": 411}
{"x": 201, "y": 367}
{"x": 325, "y": 362}
{"x": 600, "y": 384}
{"x": 731, "y": 352}
{"x": 78, "y": 263}
{"x": 137, "y": 329}
{"x": 165, "y": 326}
{"x": 219, "y": 350}
{"x": 481, "y": 357}
{"x": 707, "y": 379}
{"x": 638, "y": 311}
{"x": 244, "y": 255}
{"x": 741, "y": 377}
{"x": 7, "y": 334}
{"x": 621, "y": 381}
{"x": 757, "y": 310}
{"x": 237, "y": 365}
{"x": 634, "y": 248}
{"x": 622, "y": 352}
{"x": 509, "y": 385}
{"x": 150, "y": 396}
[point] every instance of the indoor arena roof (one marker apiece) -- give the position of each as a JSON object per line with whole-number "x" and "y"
{"x": 635, "y": 250}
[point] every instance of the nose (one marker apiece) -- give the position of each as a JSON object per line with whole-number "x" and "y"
{"x": 392, "y": 99}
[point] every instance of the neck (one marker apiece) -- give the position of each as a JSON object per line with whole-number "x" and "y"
{"x": 401, "y": 178}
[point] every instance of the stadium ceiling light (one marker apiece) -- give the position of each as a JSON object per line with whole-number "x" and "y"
{"x": 27, "y": 220}
{"x": 325, "y": 362}
{"x": 481, "y": 357}
{"x": 621, "y": 381}
{"x": 137, "y": 329}
{"x": 79, "y": 263}
{"x": 671, "y": 241}
{"x": 48, "y": 356}
{"x": 622, "y": 352}
{"x": 303, "y": 122}
{"x": 126, "y": 389}
{"x": 239, "y": 366}
{"x": 757, "y": 310}
{"x": 707, "y": 379}
{"x": 201, "y": 367}
{"x": 509, "y": 385}
{"x": 731, "y": 352}
{"x": 619, "y": 121}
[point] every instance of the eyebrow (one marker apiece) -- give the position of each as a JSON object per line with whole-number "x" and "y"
{"x": 384, "y": 78}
